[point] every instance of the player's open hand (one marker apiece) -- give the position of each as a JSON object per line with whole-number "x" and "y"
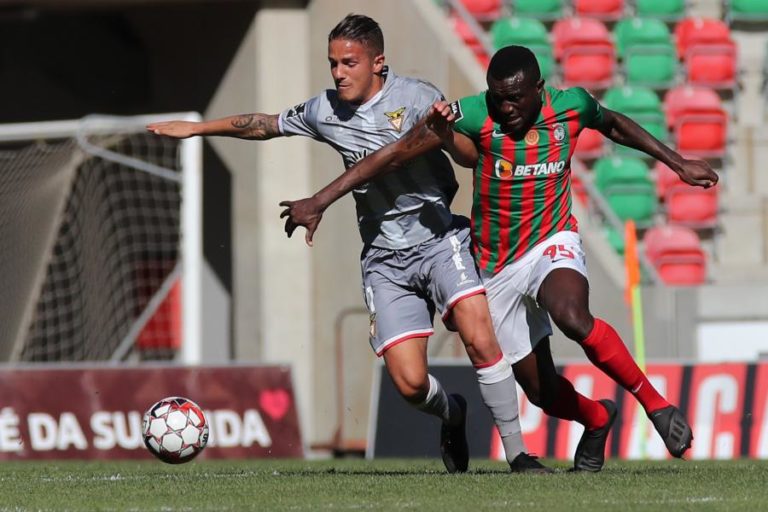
{"x": 304, "y": 212}
{"x": 698, "y": 173}
{"x": 175, "y": 129}
{"x": 440, "y": 119}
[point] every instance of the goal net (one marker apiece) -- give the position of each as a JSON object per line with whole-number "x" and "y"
{"x": 100, "y": 241}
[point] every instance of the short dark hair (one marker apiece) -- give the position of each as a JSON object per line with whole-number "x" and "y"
{"x": 511, "y": 60}
{"x": 362, "y": 29}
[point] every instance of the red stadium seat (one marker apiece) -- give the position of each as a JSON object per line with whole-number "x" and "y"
{"x": 708, "y": 50}
{"x": 586, "y": 52}
{"x": 483, "y": 10}
{"x": 693, "y": 207}
{"x": 698, "y": 121}
{"x": 712, "y": 65}
{"x": 677, "y": 255}
{"x": 571, "y": 31}
{"x": 590, "y": 145}
{"x": 666, "y": 178}
{"x": 591, "y": 66}
{"x": 601, "y": 9}
{"x": 698, "y": 30}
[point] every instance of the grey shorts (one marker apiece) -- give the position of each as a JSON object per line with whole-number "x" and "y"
{"x": 403, "y": 288}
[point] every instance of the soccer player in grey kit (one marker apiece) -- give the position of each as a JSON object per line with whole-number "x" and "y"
{"x": 416, "y": 255}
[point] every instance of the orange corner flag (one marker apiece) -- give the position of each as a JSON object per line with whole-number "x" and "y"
{"x": 631, "y": 262}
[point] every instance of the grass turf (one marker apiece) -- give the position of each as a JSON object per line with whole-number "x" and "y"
{"x": 378, "y": 485}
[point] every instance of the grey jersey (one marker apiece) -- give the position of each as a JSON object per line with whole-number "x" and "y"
{"x": 400, "y": 209}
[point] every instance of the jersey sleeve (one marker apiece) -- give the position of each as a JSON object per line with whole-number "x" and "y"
{"x": 300, "y": 119}
{"x": 590, "y": 111}
{"x": 470, "y": 113}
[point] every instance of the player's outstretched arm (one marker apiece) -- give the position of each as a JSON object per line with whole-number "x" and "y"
{"x": 243, "y": 126}
{"x": 623, "y": 130}
{"x": 430, "y": 133}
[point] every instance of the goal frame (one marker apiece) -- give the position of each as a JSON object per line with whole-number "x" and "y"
{"x": 191, "y": 236}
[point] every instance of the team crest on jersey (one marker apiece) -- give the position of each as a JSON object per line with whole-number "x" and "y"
{"x": 456, "y": 110}
{"x": 298, "y": 109}
{"x": 532, "y": 138}
{"x": 396, "y": 118}
{"x": 503, "y": 169}
{"x": 558, "y": 131}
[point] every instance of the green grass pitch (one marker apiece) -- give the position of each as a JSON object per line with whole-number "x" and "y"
{"x": 417, "y": 485}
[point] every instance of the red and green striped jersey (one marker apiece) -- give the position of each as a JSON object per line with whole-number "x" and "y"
{"x": 522, "y": 188}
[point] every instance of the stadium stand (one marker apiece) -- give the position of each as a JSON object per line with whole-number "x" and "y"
{"x": 698, "y": 121}
{"x": 691, "y": 207}
{"x": 677, "y": 254}
{"x": 745, "y": 10}
{"x": 608, "y": 10}
{"x": 648, "y": 53}
{"x": 585, "y": 51}
{"x": 642, "y": 105}
{"x": 708, "y": 51}
{"x": 667, "y": 10}
{"x": 626, "y": 185}
{"x": 544, "y": 10}
{"x": 483, "y": 10}
{"x": 525, "y": 32}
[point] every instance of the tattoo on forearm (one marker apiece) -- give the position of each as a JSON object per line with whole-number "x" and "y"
{"x": 243, "y": 121}
{"x": 256, "y": 125}
{"x": 416, "y": 137}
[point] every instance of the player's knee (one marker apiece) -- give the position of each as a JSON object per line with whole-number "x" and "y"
{"x": 573, "y": 319}
{"x": 413, "y": 386}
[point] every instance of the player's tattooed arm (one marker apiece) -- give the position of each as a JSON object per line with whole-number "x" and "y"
{"x": 623, "y": 130}
{"x": 244, "y": 126}
{"x": 420, "y": 139}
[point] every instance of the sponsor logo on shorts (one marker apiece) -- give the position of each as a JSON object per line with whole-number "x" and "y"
{"x": 396, "y": 118}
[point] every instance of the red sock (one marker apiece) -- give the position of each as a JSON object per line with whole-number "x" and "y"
{"x": 605, "y": 349}
{"x": 571, "y": 405}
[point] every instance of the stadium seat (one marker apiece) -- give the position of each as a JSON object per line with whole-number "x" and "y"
{"x": 643, "y": 106}
{"x": 590, "y": 145}
{"x": 570, "y": 31}
{"x": 665, "y": 179}
{"x": 693, "y": 207}
{"x": 609, "y": 10}
{"x": 525, "y": 32}
{"x": 697, "y": 120}
{"x": 483, "y": 10}
{"x": 746, "y": 10}
{"x": 626, "y": 185}
{"x": 708, "y": 52}
{"x": 646, "y": 47}
{"x": 586, "y": 52}
{"x": 677, "y": 255}
{"x": 668, "y": 10}
{"x": 545, "y": 10}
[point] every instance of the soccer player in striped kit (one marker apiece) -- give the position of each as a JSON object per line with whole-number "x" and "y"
{"x": 416, "y": 255}
{"x": 522, "y": 134}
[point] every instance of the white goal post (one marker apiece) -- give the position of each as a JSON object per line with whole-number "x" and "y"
{"x": 103, "y": 222}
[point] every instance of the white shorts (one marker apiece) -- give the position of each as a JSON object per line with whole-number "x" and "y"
{"x": 517, "y": 318}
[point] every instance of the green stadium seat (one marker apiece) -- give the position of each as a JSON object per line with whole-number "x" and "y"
{"x": 668, "y": 10}
{"x": 525, "y": 32}
{"x": 746, "y": 10}
{"x": 643, "y": 106}
{"x": 648, "y": 52}
{"x": 545, "y": 10}
{"x": 627, "y": 187}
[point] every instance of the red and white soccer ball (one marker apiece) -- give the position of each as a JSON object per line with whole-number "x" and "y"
{"x": 175, "y": 430}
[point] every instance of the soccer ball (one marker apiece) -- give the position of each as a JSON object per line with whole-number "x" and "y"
{"x": 175, "y": 430}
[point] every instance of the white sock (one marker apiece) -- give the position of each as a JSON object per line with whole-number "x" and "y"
{"x": 439, "y": 404}
{"x": 499, "y": 392}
